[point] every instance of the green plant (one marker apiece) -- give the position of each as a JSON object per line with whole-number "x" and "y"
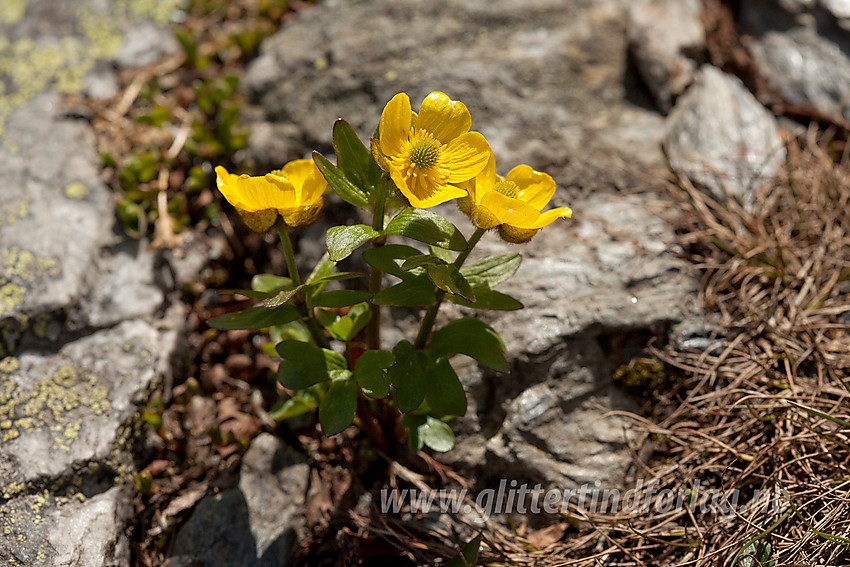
{"x": 416, "y": 161}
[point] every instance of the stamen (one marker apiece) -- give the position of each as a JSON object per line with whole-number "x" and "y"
{"x": 425, "y": 154}
{"x": 508, "y": 189}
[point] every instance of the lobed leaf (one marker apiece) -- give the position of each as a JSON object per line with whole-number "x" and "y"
{"x": 445, "y": 395}
{"x": 370, "y": 373}
{"x": 304, "y": 365}
{"x": 255, "y": 318}
{"x": 473, "y": 338}
{"x": 492, "y": 271}
{"x": 343, "y": 240}
{"x": 345, "y": 187}
{"x": 336, "y": 412}
{"x": 408, "y": 376}
{"x": 486, "y": 298}
{"x": 426, "y": 227}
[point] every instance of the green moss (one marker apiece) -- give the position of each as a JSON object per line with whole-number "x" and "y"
{"x": 643, "y": 373}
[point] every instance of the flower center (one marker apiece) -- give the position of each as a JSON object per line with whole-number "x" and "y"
{"x": 424, "y": 154}
{"x": 508, "y": 189}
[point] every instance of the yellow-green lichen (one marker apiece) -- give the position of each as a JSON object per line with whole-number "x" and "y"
{"x": 76, "y": 190}
{"x": 15, "y": 210}
{"x": 8, "y": 365}
{"x": 12, "y": 11}
{"x": 48, "y": 405}
{"x": 11, "y": 295}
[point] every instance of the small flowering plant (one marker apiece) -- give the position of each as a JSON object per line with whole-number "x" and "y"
{"x": 329, "y": 340}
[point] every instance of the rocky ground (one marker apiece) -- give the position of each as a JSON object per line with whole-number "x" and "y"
{"x": 96, "y": 326}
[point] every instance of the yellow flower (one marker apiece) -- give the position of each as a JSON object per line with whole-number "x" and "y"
{"x": 511, "y": 203}
{"x": 426, "y": 154}
{"x": 295, "y": 192}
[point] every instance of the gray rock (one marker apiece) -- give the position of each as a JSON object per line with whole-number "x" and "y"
{"x": 664, "y": 37}
{"x": 807, "y": 70}
{"x": 56, "y": 212}
{"x": 125, "y": 286}
{"x": 722, "y": 139}
{"x": 256, "y": 523}
{"x": 595, "y": 288}
{"x": 145, "y": 43}
{"x": 546, "y": 85}
{"x": 803, "y": 50}
{"x": 61, "y": 412}
{"x": 88, "y": 323}
{"x": 43, "y": 530}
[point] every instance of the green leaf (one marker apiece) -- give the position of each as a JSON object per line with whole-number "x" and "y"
{"x": 437, "y": 435}
{"x": 340, "y": 298}
{"x": 269, "y": 283}
{"x": 440, "y": 253}
{"x": 355, "y": 159}
{"x": 344, "y": 328}
{"x": 246, "y": 292}
{"x": 343, "y": 240}
{"x": 473, "y": 338}
{"x": 323, "y": 270}
{"x": 390, "y": 258}
{"x": 370, "y": 373}
{"x": 304, "y": 365}
{"x": 346, "y": 188}
{"x": 336, "y": 412}
{"x": 445, "y": 395}
{"x": 412, "y": 292}
{"x": 300, "y": 403}
{"x": 408, "y": 376}
{"x": 468, "y": 556}
{"x": 486, "y": 298}
{"x": 281, "y": 297}
{"x": 255, "y": 318}
{"x": 426, "y": 227}
{"x": 422, "y": 260}
{"x": 492, "y": 271}
{"x": 449, "y": 279}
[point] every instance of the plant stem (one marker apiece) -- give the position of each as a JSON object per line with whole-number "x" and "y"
{"x": 289, "y": 254}
{"x": 373, "y": 330}
{"x": 431, "y": 315}
{"x": 311, "y": 323}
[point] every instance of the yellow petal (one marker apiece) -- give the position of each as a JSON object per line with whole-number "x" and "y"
{"x": 535, "y": 188}
{"x": 443, "y": 118}
{"x": 307, "y": 180}
{"x": 227, "y": 185}
{"x": 445, "y": 193}
{"x": 395, "y": 125}
{"x": 261, "y": 193}
{"x": 466, "y": 156}
{"x": 509, "y": 211}
{"x": 549, "y": 217}
{"x": 484, "y": 181}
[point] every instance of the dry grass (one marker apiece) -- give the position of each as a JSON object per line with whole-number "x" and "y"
{"x": 766, "y": 414}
